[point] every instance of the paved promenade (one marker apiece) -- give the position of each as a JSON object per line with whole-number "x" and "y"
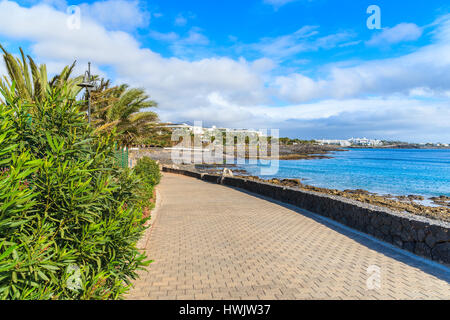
{"x": 214, "y": 242}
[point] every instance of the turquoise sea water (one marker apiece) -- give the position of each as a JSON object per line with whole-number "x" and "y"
{"x": 384, "y": 171}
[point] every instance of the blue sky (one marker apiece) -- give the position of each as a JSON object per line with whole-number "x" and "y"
{"x": 311, "y": 68}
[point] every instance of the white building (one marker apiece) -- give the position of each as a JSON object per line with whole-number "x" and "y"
{"x": 185, "y": 126}
{"x": 198, "y": 130}
{"x": 342, "y": 143}
{"x": 351, "y": 142}
{"x": 365, "y": 142}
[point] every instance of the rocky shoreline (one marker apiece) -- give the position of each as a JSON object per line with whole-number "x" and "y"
{"x": 407, "y": 203}
{"x": 396, "y": 203}
{"x": 291, "y": 152}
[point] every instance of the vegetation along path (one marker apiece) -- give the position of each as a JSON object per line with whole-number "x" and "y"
{"x": 214, "y": 242}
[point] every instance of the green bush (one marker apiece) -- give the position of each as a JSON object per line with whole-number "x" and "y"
{"x": 148, "y": 173}
{"x": 70, "y": 218}
{"x": 148, "y": 170}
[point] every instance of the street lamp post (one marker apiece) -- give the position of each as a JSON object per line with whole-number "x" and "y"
{"x": 89, "y": 84}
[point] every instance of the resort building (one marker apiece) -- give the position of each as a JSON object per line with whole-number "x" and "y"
{"x": 342, "y": 143}
{"x": 210, "y": 131}
{"x": 365, "y": 142}
{"x": 352, "y": 142}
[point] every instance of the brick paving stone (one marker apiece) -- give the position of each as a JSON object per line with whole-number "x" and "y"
{"x": 214, "y": 242}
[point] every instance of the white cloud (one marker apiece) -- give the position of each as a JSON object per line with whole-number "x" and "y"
{"x": 169, "y": 36}
{"x": 285, "y": 45}
{"x": 232, "y": 38}
{"x": 384, "y": 77}
{"x": 349, "y": 44}
{"x": 400, "y": 97}
{"x": 180, "y": 21}
{"x": 182, "y": 18}
{"x": 117, "y": 14}
{"x": 332, "y": 40}
{"x": 263, "y": 65}
{"x": 125, "y": 15}
{"x": 427, "y": 67}
{"x": 299, "y": 88}
{"x": 194, "y": 37}
{"x": 400, "y": 33}
{"x": 303, "y": 40}
{"x": 58, "y": 4}
{"x": 175, "y": 83}
{"x": 278, "y": 3}
{"x": 187, "y": 46}
{"x": 393, "y": 118}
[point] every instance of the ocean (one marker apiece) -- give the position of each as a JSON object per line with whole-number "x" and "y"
{"x": 383, "y": 171}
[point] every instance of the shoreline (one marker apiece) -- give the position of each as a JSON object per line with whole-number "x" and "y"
{"x": 440, "y": 208}
{"x": 404, "y": 147}
{"x": 399, "y": 203}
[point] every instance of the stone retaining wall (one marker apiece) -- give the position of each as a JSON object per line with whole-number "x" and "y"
{"x": 422, "y": 236}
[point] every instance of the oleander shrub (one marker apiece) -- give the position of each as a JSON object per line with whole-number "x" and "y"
{"x": 148, "y": 170}
{"x": 70, "y": 217}
{"x": 149, "y": 175}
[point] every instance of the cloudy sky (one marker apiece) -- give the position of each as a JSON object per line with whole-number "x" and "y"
{"x": 311, "y": 68}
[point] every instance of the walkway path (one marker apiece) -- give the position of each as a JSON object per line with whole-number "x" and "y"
{"x": 214, "y": 242}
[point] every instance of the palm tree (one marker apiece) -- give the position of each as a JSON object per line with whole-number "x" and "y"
{"x": 117, "y": 108}
{"x": 123, "y": 109}
{"x": 34, "y": 87}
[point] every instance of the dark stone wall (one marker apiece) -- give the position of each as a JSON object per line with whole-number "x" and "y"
{"x": 422, "y": 236}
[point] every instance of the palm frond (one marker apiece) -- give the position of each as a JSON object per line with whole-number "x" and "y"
{"x": 121, "y": 107}
{"x": 107, "y": 126}
{"x": 31, "y": 80}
